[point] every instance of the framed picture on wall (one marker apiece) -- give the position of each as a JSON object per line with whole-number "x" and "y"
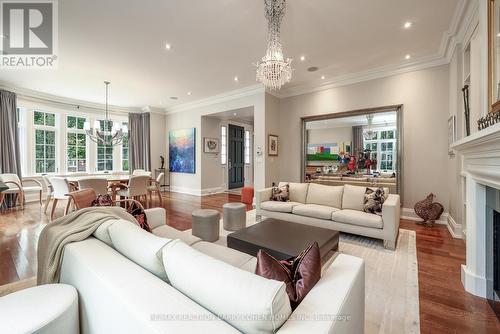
{"x": 272, "y": 145}
{"x": 210, "y": 145}
{"x": 494, "y": 55}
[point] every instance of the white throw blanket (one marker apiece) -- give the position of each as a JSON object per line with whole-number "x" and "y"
{"x": 74, "y": 227}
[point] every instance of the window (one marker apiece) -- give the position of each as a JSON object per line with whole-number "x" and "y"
{"x": 383, "y": 149}
{"x": 125, "y": 150}
{"x": 105, "y": 152}
{"x": 45, "y": 142}
{"x": 223, "y": 146}
{"x": 76, "y": 144}
{"x": 247, "y": 147}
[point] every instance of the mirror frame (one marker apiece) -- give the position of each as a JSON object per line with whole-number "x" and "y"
{"x": 493, "y": 106}
{"x": 398, "y": 108}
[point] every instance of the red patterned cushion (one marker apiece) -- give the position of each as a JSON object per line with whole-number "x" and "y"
{"x": 300, "y": 273}
{"x": 103, "y": 200}
{"x": 134, "y": 209}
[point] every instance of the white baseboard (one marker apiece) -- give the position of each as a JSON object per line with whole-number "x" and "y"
{"x": 454, "y": 228}
{"x": 472, "y": 283}
{"x": 184, "y": 190}
{"x": 211, "y": 191}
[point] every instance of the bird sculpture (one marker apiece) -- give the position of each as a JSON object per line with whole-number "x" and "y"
{"x": 428, "y": 210}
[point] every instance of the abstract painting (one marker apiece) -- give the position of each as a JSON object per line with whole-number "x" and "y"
{"x": 182, "y": 150}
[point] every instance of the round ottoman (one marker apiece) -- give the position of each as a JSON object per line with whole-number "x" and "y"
{"x": 205, "y": 224}
{"x": 235, "y": 216}
{"x": 50, "y": 308}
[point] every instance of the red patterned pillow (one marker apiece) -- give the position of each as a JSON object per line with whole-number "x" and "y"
{"x": 300, "y": 273}
{"x": 103, "y": 200}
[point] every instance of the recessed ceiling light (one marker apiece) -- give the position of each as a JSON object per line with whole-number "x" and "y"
{"x": 302, "y": 58}
{"x": 322, "y": 77}
{"x": 408, "y": 25}
{"x": 174, "y": 98}
{"x": 189, "y": 93}
{"x": 312, "y": 69}
{"x": 234, "y": 114}
{"x": 498, "y": 35}
{"x": 168, "y": 46}
{"x": 407, "y": 57}
{"x": 235, "y": 78}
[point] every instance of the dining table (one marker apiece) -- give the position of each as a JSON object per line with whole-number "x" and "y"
{"x": 115, "y": 181}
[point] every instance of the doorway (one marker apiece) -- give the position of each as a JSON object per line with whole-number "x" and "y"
{"x": 236, "y": 156}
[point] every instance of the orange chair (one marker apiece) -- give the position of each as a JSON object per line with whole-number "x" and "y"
{"x": 247, "y": 195}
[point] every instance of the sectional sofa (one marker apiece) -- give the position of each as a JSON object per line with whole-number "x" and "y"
{"x": 168, "y": 281}
{"x": 335, "y": 207}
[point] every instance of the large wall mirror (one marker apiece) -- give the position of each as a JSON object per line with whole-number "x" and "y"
{"x": 361, "y": 147}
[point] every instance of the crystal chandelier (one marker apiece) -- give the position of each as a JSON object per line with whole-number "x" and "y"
{"x": 106, "y": 136}
{"x": 369, "y": 134}
{"x": 273, "y": 70}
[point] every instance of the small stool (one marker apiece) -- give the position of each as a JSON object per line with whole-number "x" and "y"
{"x": 247, "y": 195}
{"x": 235, "y": 216}
{"x": 50, "y": 308}
{"x": 205, "y": 224}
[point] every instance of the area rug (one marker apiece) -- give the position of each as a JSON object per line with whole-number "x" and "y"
{"x": 391, "y": 280}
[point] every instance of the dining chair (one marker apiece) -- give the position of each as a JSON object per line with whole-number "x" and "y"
{"x": 18, "y": 189}
{"x": 141, "y": 172}
{"x": 137, "y": 187}
{"x": 99, "y": 184}
{"x": 85, "y": 198}
{"x": 155, "y": 187}
{"x": 61, "y": 189}
{"x": 49, "y": 191}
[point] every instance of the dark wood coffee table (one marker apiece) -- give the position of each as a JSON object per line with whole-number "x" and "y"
{"x": 283, "y": 239}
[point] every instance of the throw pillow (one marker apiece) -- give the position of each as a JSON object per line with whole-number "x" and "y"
{"x": 280, "y": 193}
{"x": 373, "y": 200}
{"x": 299, "y": 273}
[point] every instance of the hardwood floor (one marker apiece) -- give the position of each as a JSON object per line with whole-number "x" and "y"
{"x": 445, "y": 307}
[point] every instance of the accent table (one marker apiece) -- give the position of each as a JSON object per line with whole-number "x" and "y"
{"x": 283, "y": 239}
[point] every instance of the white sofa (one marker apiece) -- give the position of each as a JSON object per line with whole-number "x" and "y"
{"x": 338, "y": 208}
{"x": 117, "y": 295}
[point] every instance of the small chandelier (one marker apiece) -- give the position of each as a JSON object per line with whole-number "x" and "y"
{"x": 370, "y": 134}
{"x": 273, "y": 71}
{"x": 107, "y": 136}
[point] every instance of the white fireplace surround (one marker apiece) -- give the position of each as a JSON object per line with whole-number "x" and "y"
{"x": 481, "y": 168}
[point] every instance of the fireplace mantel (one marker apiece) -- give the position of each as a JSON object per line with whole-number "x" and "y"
{"x": 480, "y": 166}
{"x": 481, "y": 155}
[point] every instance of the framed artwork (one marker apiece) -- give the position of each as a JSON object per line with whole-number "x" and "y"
{"x": 272, "y": 145}
{"x": 182, "y": 151}
{"x": 210, "y": 145}
{"x": 494, "y": 55}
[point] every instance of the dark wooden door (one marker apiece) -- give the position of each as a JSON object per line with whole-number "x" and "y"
{"x": 236, "y": 156}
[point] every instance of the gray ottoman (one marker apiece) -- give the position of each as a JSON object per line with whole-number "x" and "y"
{"x": 206, "y": 224}
{"x": 235, "y": 216}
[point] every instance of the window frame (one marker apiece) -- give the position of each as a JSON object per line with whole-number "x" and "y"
{"x": 123, "y": 147}
{"x": 379, "y": 141}
{"x": 66, "y": 145}
{"x": 45, "y": 128}
{"x": 223, "y": 146}
{"x": 247, "y": 148}
{"x": 105, "y": 160}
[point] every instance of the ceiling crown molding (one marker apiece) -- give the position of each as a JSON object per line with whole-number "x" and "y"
{"x": 220, "y": 98}
{"x": 32, "y": 95}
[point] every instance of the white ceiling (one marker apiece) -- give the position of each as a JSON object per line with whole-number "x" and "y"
{"x": 213, "y": 41}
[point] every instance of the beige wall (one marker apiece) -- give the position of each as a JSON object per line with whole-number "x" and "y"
{"x": 273, "y": 127}
{"x": 424, "y": 95}
{"x": 158, "y": 140}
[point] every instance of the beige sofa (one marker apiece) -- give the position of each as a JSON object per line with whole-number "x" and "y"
{"x": 335, "y": 207}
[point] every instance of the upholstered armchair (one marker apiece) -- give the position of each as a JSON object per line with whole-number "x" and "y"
{"x": 18, "y": 188}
